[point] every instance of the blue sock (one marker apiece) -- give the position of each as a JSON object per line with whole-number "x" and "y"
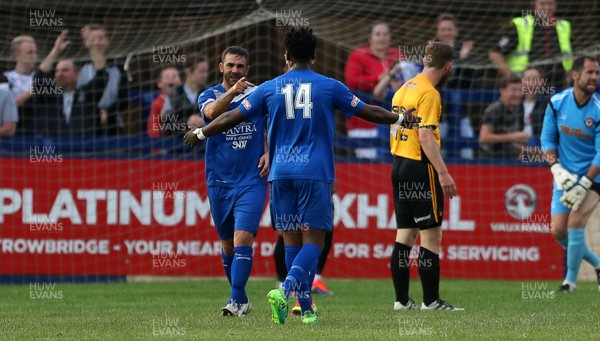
{"x": 227, "y": 260}
{"x": 306, "y": 302}
{"x": 575, "y": 252}
{"x": 302, "y": 269}
{"x": 240, "y": 271}
{"x": 290, "y": 254}
{"x": 588, "y": 256}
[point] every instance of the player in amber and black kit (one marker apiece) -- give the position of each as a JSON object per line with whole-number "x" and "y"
{"x": 420, "y": 181}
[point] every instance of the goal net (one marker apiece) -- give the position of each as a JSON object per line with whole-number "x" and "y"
{"x": 121, "y": 195}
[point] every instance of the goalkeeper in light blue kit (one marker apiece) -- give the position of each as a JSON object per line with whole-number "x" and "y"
{"x": 571, "y": 144}
{"x": 300, "y": 105}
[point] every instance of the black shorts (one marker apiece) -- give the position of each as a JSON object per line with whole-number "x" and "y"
{"x": 418, "y": 196}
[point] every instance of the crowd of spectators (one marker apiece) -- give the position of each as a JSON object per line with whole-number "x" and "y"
{"x": 533, "y": 56}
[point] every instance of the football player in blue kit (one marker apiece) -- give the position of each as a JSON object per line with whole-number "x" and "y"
{"x": 300, "y": 105}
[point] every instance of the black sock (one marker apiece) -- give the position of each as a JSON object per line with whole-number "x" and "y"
{"x": 429, "y": 271}
{"x": 324, "y": 252}
{"x": 279, "y": 255}
{"x": 400, "y": 266}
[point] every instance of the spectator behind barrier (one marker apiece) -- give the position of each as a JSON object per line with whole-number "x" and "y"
{"x": 24, "y": 50}
{"x": 367, "y": 65}
{"x": 447, "y": 31}
{"x": 60, "y": 107}
{"x": 456, "y": 125}
{"x": 397, "y": 74}
{"x": 169, "y": 79}
{"x": 537, "y": 38}
{"x": 501, "y": 133}
{"x": 8, "y": 110}
{"x": 365, "y": 68}
{"x": 536, "y": 95}
{"x": 181, "y": 109}
{"x": 114, "y": 97}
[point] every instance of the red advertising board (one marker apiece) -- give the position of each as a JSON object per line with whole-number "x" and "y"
{"x": 134, "y": 217}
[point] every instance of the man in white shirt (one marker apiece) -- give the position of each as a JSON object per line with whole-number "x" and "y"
{"x": 24, "y": 51}
{"x": 8, "y": 112}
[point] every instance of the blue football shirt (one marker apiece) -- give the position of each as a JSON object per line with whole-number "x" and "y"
{"x": 300, "y": 107}
{"x": 573, "y": 131}
{"x": 232, "y": 157}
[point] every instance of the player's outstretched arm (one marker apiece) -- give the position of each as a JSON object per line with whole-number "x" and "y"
{"x": 222, "y": 123}
{"x": 375, "y": 114}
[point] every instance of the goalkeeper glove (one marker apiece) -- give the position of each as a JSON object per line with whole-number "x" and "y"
{"x": 563, "y": 178}
{"x": 573, "y": 197}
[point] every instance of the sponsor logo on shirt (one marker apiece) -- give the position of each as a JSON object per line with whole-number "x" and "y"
{"x": 246, "y": 104}
{"x": 575, "y": 132}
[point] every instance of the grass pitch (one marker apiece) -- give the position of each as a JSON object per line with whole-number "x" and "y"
{"x": 360, "y": 310}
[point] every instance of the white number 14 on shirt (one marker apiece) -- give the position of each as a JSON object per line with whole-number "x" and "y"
{"x": 302, "y": 101}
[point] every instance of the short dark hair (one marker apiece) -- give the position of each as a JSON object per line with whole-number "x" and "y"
{"x": 511, "y": 78}
{"x": 190, "y": 63}
{"x": 578, "y": 62}
{"x": 437, "y": 54}
{"x": 165, "y": 69}
{"x": 70, "y": 60}
{"x": 237, "y": 51}
{"x": 532, "y": 68}
{"x": 96, "y": 26}
{"x": 300, "y": 44}
{"x": 444, "y": 17}
{"x": 377, "y": 23}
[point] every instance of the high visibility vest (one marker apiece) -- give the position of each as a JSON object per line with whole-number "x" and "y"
{"x": 519, "y": 59}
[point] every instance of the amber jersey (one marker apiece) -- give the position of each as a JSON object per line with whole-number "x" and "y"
{"x": 417, "y": 92}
